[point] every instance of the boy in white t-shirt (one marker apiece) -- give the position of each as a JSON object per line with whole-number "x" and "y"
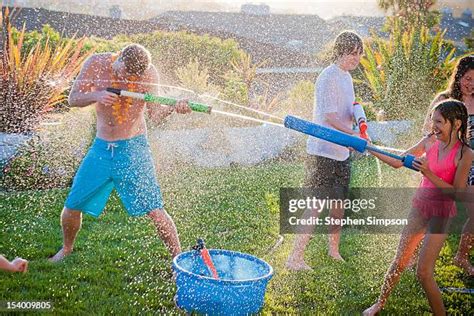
{"x": 328, "y": 166}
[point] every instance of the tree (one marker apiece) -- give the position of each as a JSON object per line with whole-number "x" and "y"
{"x": 406, "y": 71}
{"x": 32, "y": 83}
{"x": 470, "y": 41}
{"x": 412, "y": 12}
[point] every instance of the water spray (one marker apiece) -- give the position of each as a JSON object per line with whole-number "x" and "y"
{"x": 342, "y": 139}
{"x": 197, "y": 107}
{"x": 147, "y": 97}
{"x": 291, "y": 122}
{"x": 457, "y": 290}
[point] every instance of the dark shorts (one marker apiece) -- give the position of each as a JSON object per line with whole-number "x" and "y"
{"x": 322, "y": 172}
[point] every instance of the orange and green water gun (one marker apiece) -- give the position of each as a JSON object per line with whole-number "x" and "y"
{"x": 147, "y": 97}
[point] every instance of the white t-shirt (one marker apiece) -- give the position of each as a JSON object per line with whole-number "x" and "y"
{"x": 334, "y": 93}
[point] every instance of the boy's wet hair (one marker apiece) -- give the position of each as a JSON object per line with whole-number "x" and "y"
{"x": 346, "y": 43}
{"x": 452, "y": 110}
{"x": 136, "y": 59}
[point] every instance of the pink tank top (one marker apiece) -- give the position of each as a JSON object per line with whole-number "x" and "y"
{"x": 429, "y": 200}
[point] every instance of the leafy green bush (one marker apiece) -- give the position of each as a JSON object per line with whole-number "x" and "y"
{"x": 470, "y": 41}
{"x": 195, "y": 77}
{"x": 235, "y": 90}
{"x": 173, "y": 50}
{"x": 51, "y": 157}
{"x": 34, "y": 82}
{"x": 48, "y": 36}
{"x": 51, "y": 38}
{"x": 300, "y": 100}
{"x": 100, "y": 45}
{"x": 405, "y": 72}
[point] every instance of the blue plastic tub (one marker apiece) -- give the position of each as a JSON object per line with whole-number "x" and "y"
{"x": 239, "y": 290}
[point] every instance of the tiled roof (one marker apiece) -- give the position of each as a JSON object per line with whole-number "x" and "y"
{"x": 309, "y": 32}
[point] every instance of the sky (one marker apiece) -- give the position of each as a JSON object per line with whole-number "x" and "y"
{"x": 331, "y": 8}
{"x": 326, "y": 9}
{"x": 323, "y": 8}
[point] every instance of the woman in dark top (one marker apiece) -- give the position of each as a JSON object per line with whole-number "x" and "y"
{"x": 461, "y": 87}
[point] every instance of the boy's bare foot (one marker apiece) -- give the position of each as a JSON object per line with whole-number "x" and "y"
{"x": 335, "y": 255}
{"x": 60, "y": 255}
{"x": 372, "y": 310}
{"x": 294, "y": 265}
{"x": 465, "y": 265}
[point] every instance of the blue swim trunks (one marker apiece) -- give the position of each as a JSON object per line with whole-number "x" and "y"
{"x": 125, "y": 165}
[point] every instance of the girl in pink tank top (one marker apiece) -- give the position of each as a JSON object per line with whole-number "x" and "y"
{"x": 429, "y": 200}
{"x": 444, "y": 159}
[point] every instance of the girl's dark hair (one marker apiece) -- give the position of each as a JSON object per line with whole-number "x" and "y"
{"x": 452, "y": 110}
{"x": 345, "y": 43}
{"x": 454, "y": 88}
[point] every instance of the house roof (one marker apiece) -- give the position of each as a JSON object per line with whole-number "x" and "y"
{"x": 363, "y": 25}
{"x": 71, "y": 24}
{"x": 457, "y": 28}
{"x": 304, "y": 33}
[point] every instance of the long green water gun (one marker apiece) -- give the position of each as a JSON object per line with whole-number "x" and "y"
{"x": 147, "y": 97}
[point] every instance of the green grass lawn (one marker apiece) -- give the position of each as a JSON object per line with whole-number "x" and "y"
{"x": 119, "y": 265}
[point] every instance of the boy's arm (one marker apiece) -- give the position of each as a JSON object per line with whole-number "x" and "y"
{"x": 334, "y": 121}
{"x": 81, "y": 94}
{"x": 158, "y": 112}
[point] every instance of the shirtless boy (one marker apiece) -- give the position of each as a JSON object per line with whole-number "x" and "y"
{"x": 120, "y": 157}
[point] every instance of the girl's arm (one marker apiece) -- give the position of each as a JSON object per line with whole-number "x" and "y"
{"x": 417, "y": 150}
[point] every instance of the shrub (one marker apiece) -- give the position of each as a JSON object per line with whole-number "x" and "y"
{"x": 195, "y": 77}
{"x": 405, "y": 72}
{"x": 32, "y": 83}
{"x": 173, "y": 50}
{"x": 300, "y": 100}
{"x": 50, "y": 158}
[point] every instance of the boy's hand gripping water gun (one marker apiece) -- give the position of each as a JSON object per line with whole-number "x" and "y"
{"x": 340, "y": 138}
{"x": 206, "y": 257}
{"x": 147, "y": 97}
{"x": 361, "y": 119}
